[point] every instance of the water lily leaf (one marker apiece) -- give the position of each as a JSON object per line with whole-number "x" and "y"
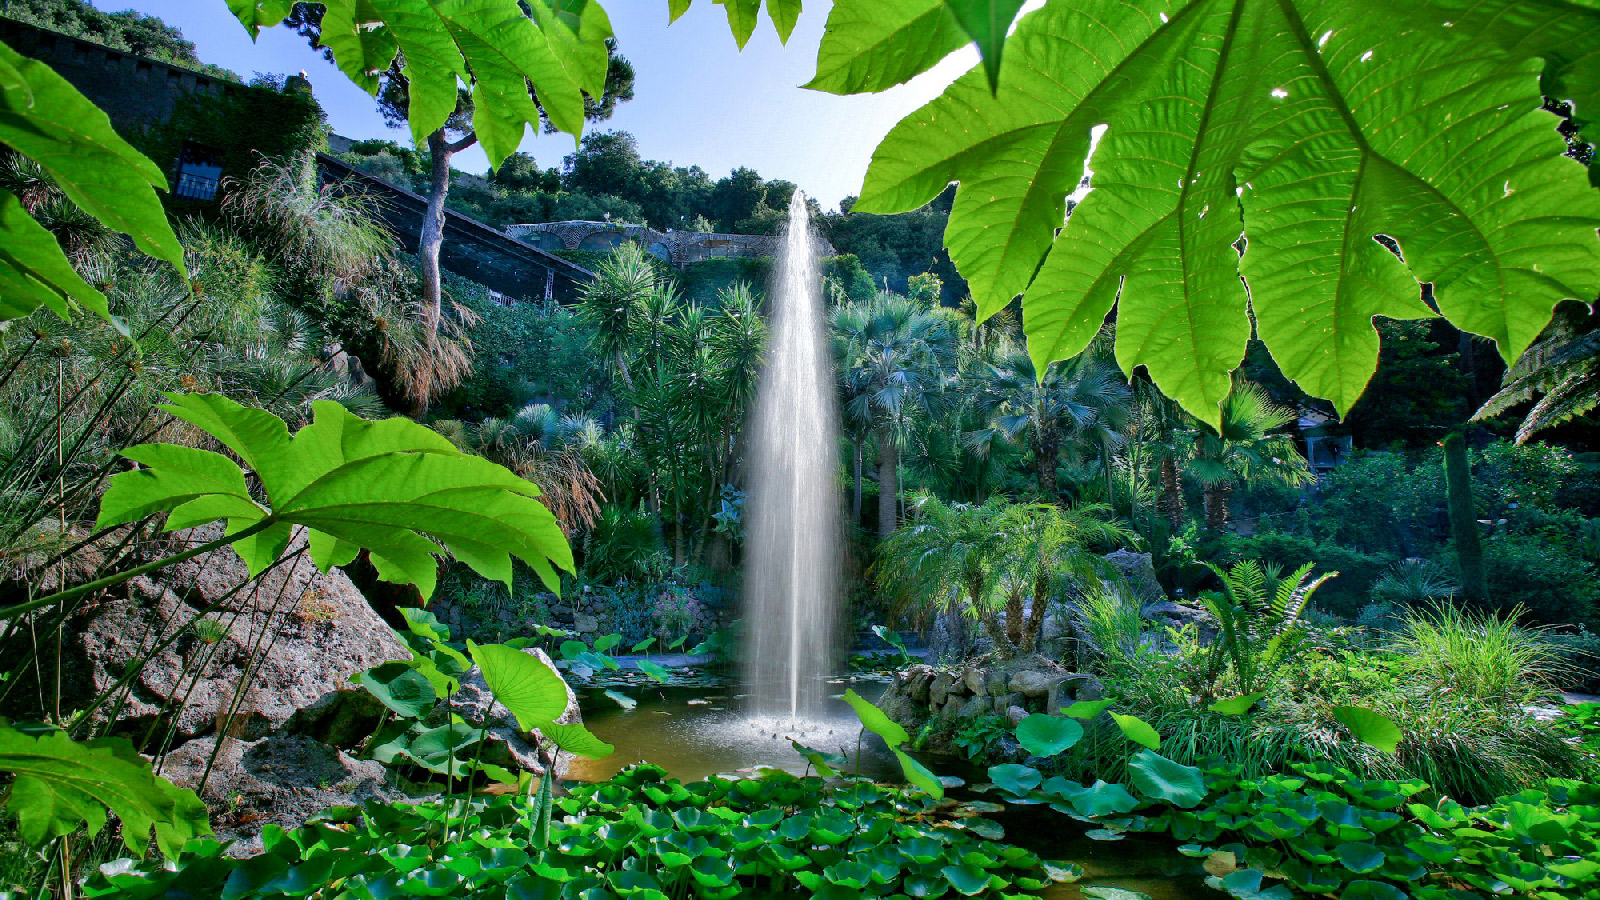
{"x": 1367, "y": 889}
{"x": 400, "y": 687}
{"x": 622, "y": 700}
{"x": 654, "y": 670}
{"x": 918, "y": 774}
{"x": 604, "y": 643}
{"x": 642, "y": 646}
{"x": 1061, "y": 871}
{"x": 1017, "y": 779}
{"x": 1359, "y": 857}
{"x": 1245, "y": 884}
{"x": 1087, "y": 709}
{"x": 1111, "y": 893}
{"x": 968, "y": 880}
{"x": 1370, "y": 727}
{"x": 1160, "y": 778}
{"x": 1137, "y": 730}
{"x": 1236, "y": 706}
{"x": 1104, "y": 799}
{"x": 523, "y": 683}
{"x": 1043, "y": 735}
{"x": 875, "y": 721}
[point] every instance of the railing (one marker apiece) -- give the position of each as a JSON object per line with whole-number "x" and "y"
{"x": 196, "y": 187}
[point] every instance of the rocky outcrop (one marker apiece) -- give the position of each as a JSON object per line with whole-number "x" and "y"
{"x": 279, "y": 780}
{"x": 1138, "y": 574}
{"x": 278, "y": 652}
{"x": 504, "y": 744}
{"x": 1010, "y": 689}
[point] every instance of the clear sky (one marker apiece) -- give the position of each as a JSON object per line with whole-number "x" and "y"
{"x": 698, "y": 100}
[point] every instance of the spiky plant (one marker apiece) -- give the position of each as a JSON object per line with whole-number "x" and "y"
{"x": 1561, "y": 369}
{"x": 1258, "y": 619}
{"x": 1249, "y": 447}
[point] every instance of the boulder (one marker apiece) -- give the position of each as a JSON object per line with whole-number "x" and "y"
{"x": 504, "y": 745}
{"x": 1138, "y": 573}
{"x": 584, "y": 623}
{"x": 277, "y": 651}
{"x": 279, "y": 780}
{"x": 918, "y": 680}
{"x": 1015, "y": 715}
{"x": 974, "y": 680}
{"x": 939, "y": 689}
{"x": 995, "y": 681}
{"x": 1031, "y": 682}
{"x": 1176, "y": 615}
{"x": 974, "y": 707}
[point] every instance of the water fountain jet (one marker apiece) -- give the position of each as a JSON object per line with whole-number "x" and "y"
{"x": 792, "y": 495}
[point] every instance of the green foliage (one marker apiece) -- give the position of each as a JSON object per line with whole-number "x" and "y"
{"x": 1047, "y": 735}
{"x": 1464, "y": 519}
{"x": 129, "y": 30}
{"x": 1331, "y": 69}
{"x": 1370, "y": 727}
{"x": 639, "y": 834}
{"x": 61, "y": 785}
{"x": 45, "y": 119}
{"x": 976, "y": 737}
{"x": 1258, "y": 617}
{"x": 392, "y": 487}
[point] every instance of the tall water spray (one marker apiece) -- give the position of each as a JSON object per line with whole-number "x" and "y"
{"x": 792, "y": 499}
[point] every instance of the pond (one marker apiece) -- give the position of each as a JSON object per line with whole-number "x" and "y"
{"x": 694, "y": 732}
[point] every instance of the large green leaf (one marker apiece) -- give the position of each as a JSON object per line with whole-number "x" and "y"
{"x": 1370, "y": 727}
{"x": 61, "y": 785}
{"x": 1043, "y": 735}
{"x": 986, "y": 22}
{"x": 535, "y": 693}
{"x": 495, "y": 49}
{"x": 1162, "y": 779}
{"x": 872, "y": 45}
{"x": 401, "y": 687}
{"x": 522, "y": 682}
{"x": 394, "y": 487}
{"x": 1309, "y": 127}
{"x": 875, "y": 721}
{"x": 47, "y": 120}
{"x": 1137, "y": 730}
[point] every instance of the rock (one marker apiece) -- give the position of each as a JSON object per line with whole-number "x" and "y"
{"x": 974, "y": 707}
{"x": 1015, "y": 715}
{"x": 584, "y": 623}
{"x": 313, "y": 631}
{"x": 939, "y": 689}
{"x": 1071, "y": 689}
{"x": 1030, "y": 683}
{"x": 994, "y": 681}
{"x": 899, "y": 707}
{"x": 1176, "y": 614}
{"x": 1009, "y": 700}
{"x": 505, "y": 745}
{"x": 920, "y": 677}
{"x": 1138, "y": 573}
{"x": 974, "y": 680}
{"x": 279, "y": 780}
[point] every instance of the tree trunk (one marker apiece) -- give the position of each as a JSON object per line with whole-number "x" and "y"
{"x": 431, "y": 238}
{"x": 1041, "y": 601}
{"x": 1045, "y": 451}
{"x": 888, "y": 482}
{"x": 855, "y": 499}
{"x": 1217, "y": 514}
{"x": 985, "y": 616}
{"x": 1014, "y": 623}
{"x": 1464, "y": 518}
{"x": 1171, "y": 493}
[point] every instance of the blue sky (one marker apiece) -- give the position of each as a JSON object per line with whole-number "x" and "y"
{"x": 698, "y": 99}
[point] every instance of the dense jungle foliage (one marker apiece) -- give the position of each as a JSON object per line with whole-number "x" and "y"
{"x": 1372, "y": 537}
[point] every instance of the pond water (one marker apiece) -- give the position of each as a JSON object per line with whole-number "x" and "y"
{"x": 694, "y": 732}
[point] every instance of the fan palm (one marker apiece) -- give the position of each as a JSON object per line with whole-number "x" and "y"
{"x": 1083, "y": 401}
{"x": 893, "y": 354}
{"x": 1563, "y": 365}
{"x": 1248, "y": 448}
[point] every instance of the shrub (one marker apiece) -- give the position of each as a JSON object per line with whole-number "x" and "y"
{"x": 1547, "y": 578}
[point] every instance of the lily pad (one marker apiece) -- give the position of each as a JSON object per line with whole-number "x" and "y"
{"x": 1043, "y": 735}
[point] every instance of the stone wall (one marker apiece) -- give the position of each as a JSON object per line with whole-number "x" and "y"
{"x": 1011, "y": 689}
{"x": 679, "y": 248}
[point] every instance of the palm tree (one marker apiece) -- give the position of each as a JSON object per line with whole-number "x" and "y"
{"x": 893, "y": 355}
{"x": 1082, "y": 401}
{"x": 948, "y": 556}
{"x": 1047, "y": 543}
{"x": 1563, "y": 365}
{"x": 1248, "y": 448}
